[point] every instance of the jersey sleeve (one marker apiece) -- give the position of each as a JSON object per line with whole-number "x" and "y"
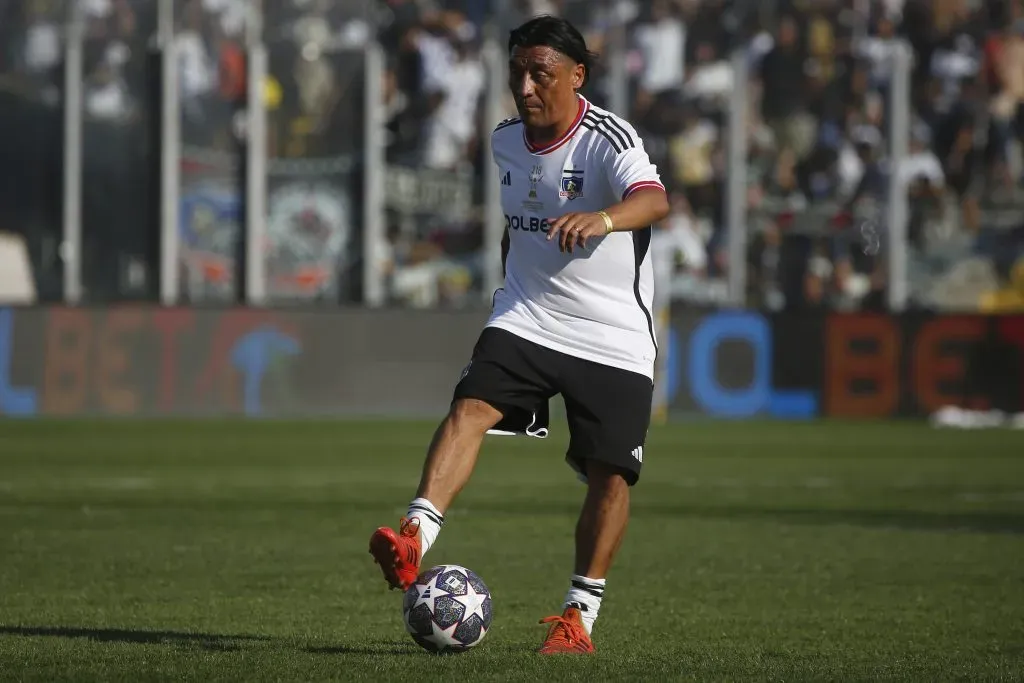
{"x": 629, "y": 168}
{"x": 495, "y": 142}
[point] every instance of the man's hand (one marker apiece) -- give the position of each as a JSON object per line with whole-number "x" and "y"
{"x": 638, "y": 210}
{"x": 574, "y": 229}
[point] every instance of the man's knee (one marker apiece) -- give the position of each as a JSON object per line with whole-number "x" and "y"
{"x": 472, "y": 415}
{"x": 604, "y": 476}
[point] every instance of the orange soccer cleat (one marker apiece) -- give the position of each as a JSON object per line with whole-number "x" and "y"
{"x": 398, "y": 554}
{"x": 566, "y": 635}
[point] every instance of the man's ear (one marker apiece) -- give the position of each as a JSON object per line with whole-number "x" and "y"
{"x": 579, "y": 75}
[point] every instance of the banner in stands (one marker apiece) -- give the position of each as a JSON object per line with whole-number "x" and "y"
{"x": 150, "y": 361}
{"x": 210, "y": 224}
{"x": 313, "y": 242}
{"x": 315, "y": 117}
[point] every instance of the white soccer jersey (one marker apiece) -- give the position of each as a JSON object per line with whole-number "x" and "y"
{"x": 594, "y": 303}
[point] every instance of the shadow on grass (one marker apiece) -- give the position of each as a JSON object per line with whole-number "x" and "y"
{"x": 207, "y": 641}
{"x": 380, "y": 648}
{"x": 355, "y": 649}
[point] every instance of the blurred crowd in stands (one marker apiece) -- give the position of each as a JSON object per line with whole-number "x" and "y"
{"x": 818, "y": 88}
{"x": 115, "y": 106}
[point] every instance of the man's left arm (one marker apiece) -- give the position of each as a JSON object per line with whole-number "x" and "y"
{"x": 640, "y": 209}
{"x": 644, "y": 202}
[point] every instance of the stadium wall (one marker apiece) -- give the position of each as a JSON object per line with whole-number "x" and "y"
{"x": 151, "y": 362}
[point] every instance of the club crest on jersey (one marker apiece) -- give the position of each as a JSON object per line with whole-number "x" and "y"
{"x": 572, "y": 184}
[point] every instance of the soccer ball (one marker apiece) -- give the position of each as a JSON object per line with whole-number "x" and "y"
{"x": 448, "y": 609}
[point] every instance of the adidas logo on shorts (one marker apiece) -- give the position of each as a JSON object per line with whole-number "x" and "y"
{"x": 638, "y": 453}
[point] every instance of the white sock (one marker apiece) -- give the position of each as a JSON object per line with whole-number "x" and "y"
{"x": 431, "y": 521}
{"x": 585, "y": 595}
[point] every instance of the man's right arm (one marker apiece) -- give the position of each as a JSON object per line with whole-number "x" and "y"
{"x": 504, "y": 250}
{"x": 505, "y": 243}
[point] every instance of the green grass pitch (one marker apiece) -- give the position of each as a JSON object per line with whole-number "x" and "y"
{"x": 232, "y": 550}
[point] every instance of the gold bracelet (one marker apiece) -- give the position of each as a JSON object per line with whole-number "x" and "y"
{"x": 608, "y": 227}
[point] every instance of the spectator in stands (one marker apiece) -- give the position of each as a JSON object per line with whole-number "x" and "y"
{"x": 920, "y": 173}
{"x": 783, "y": 84}
{"x": 692, "y": 153}
{"x": 1009, "y": 297}
{"x": 679, "y": 244}
{"x": 455, "y": 86}
{"x": 197, "y": 74}
{"x": 107, "y": 96}
{"x": 710, "y": 80}
{"x": 43, "y": 46}
{"x": 1005, "y": 53}
{"x": 878, "y": 48}
{"x": 860, "y": 170}
{"x": 662, "y": 44}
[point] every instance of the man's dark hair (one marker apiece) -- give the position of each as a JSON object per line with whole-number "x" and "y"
{"x": 556, "y": 33}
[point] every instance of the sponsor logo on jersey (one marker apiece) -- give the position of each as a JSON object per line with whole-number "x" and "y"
{"x": 572, "y": 184}
{"x": 526, "y": 223}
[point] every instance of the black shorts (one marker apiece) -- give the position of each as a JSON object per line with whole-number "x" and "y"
{"x": 608, "y": 409}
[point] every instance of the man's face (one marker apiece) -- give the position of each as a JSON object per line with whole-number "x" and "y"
{"x": 543, "y": 82}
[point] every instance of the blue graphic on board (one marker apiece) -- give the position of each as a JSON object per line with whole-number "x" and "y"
{"x": 759, "y": 396}
{"x": 13, "y": 400}
{"x": 253, "y": 355}
{"x": 672, "y": 348}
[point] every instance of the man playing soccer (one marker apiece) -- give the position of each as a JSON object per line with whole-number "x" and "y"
{"x": 574, "y": 317}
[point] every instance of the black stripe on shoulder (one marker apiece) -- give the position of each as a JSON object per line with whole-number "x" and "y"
{"x": 513, "y": 121}
{"x": 607, "y": 123}
{"x": 614, "y": 122}
{"x": 641, "y": 245}
{"x": 602, "y": 125}
{"x": 590, "y": 125}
